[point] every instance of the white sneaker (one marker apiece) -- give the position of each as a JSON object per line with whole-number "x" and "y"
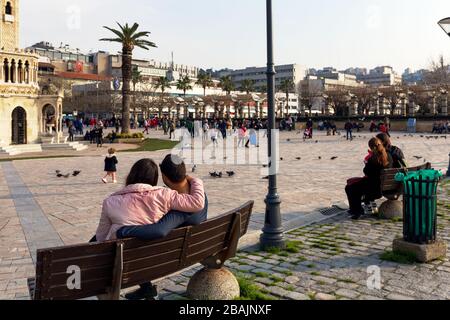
{"x": 115, "y": 181}
{"x": 105, "y": 181}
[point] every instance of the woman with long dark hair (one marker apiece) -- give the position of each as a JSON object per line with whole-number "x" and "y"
{"x": 396, "y": 153}
{"x": 368, "y": 188}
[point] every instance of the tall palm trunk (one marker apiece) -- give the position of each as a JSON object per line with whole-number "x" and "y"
{"x": 287, "y": 103}
{"x": 126, "y": 94}
{"x": 185, "y": 107}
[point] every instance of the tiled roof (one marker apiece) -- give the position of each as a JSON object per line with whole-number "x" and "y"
{"x": 82, "y": 76}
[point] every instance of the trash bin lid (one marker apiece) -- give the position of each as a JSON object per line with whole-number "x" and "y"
{"x": 424, "y": 174}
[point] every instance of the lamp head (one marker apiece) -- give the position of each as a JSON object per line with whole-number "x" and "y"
{"x": 445, "y": 25}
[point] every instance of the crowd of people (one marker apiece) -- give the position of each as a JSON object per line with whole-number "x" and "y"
{"x": 441, "y": 127}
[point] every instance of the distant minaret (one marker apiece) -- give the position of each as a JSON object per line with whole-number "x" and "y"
{"x": 172, "y": 65}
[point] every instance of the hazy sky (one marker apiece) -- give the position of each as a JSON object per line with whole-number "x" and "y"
{"x": 231, "y": 33}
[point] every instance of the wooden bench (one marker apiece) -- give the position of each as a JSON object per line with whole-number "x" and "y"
{"x": 393, "y": 190}
{"x": 106, "y": 268}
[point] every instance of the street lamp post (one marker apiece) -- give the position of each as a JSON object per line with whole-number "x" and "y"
{"x": 272, "y": 236}
{"x": 445, "y": 25}
{"x": 448, "y": 171}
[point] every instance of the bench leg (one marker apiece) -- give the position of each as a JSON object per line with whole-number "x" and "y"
{"x": 213, "y": 284}
{"x": 391, "y": 209}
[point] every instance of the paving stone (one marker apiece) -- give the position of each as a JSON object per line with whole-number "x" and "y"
{"x": 291, "y": 279}
{"x": 324, "y": 296}
{"x": 351, "y": 294}
{"x": 324, "y": 279}
{"x": 395, "y": 296}
{"x": 244, "y": 268}
{"x": 297, "y": 296}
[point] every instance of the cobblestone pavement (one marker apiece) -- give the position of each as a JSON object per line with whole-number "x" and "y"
{"x": 72, "y": 206}
{"x": 333, "y": 261}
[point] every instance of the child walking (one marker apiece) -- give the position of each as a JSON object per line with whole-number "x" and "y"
{"x": 111, "y": 166}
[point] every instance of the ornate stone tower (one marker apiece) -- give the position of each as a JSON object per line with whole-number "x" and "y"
{"x": 9, "y": 26}
{"x": 23, "y": 110}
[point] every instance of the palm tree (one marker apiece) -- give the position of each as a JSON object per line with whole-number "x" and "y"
{"x": 163, "y": 83}
{"x": 247, "y": 86}
{"x": 130, "y": 38}
{"x": 205, "y": 81}
{"x": 184, "y": 84}
{"x": 227, "y": 84}
{"x": 287, "y": 86}
{"x": 136, "y": 77}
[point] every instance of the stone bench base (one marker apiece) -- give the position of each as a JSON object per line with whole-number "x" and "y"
{"x": 391, "y": 209}
{"x": 213, "y": 284}
{"x": 423, "y": 253}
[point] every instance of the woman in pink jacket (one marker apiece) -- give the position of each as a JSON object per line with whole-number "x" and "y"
{"x": 141, "y": 202}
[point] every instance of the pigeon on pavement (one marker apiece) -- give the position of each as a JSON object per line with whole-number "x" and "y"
{"x": 231, "y": 173}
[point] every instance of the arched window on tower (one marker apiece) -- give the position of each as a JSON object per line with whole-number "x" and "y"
{"x": 6, "y": 70}
{"x": 27, "y": 72}
{"x": 20, "y": 73}
{"x": 12, "y": 72}
{"x": 8, "y": 8}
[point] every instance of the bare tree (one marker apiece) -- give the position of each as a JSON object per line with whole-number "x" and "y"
{"x": 311, "y": 94}
{"x": 439, "y": 73}
{"x": 364, "y": 96}
{"x": 393, "y": 96}
{"x": 338, "y": 100}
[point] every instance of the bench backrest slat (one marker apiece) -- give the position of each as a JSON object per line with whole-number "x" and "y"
{"x": 388, "y": 183}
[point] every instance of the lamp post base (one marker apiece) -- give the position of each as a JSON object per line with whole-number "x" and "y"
{"x": 273, "y": 233}
{"x": 448, "y": 171}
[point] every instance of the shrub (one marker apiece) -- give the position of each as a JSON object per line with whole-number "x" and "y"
{"x": 127, "y": 136}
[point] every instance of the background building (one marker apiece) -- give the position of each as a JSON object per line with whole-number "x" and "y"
{"x": 411, "y": 77}
{"x": 313, "y": 87}
{"x": 381, "y": 76}
{"x": 294, "y": 72}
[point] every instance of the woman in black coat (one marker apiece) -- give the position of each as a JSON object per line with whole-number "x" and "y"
{"x": 369, "y": 187}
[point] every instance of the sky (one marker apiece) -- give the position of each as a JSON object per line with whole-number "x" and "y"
{"x": 232, "y": 33}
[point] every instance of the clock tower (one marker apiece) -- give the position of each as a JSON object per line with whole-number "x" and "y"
{"x": 9, "y": 25}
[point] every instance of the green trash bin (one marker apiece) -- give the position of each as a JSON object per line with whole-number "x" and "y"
{"x": 420, "y": 205}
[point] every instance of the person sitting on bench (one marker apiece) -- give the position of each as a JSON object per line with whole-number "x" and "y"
{"x": 174, "y": 175}
{"x": 368, "y": 187}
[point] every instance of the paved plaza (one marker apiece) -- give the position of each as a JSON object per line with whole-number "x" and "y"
{"x": 39, "y": 210}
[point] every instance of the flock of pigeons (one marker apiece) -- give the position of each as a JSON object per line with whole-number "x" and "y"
{"x": 216, "y": 174}
{"x": 220, "y": 174}
{"x": 60, "y": 175}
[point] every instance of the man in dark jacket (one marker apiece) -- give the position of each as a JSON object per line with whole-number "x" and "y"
{"x": 349, "y": 130}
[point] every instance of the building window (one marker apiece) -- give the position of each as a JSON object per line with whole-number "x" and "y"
{"x": 6, "y": 70}
{"x": 8, "y": 8}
